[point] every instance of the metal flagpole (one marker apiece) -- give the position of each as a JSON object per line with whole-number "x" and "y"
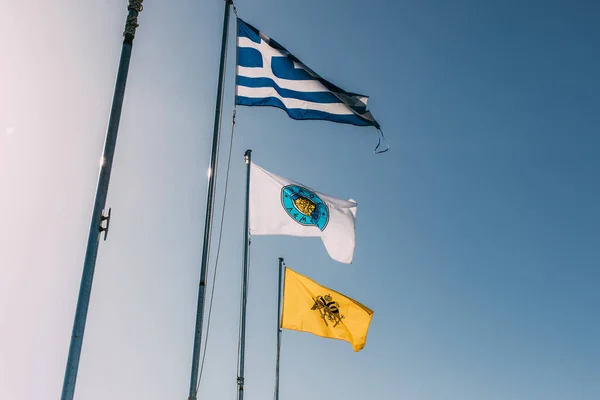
{"x": 279, "y": 311}
{"x": 240, "y": 378}
{"x": 212, "y": 178}
{"x": 98, "y": 217}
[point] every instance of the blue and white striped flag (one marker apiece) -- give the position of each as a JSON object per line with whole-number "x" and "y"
{"x": 268, "y": 75}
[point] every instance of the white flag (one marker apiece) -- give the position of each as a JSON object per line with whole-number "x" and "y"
{"x": 279, "y": 206}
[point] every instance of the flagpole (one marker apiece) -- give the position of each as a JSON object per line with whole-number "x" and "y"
{"x": 98, "y": 217}
{"x": 212, "y": 178}
{"x": 279, "y": 311}
{"x": 242, "y": 348}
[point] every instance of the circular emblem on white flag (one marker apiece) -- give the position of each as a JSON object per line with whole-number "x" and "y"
{"x": 304, "y": 206}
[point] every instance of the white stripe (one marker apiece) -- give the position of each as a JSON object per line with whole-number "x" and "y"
{"x": 263, "y": 72}
{"x": 336, "y": 108}
{"x": 299, "y": 86}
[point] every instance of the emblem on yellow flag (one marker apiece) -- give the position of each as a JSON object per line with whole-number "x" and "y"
{"x": 329, "y": 309}
{"x": 310, "y": 307}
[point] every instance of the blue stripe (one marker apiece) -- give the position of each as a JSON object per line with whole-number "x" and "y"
{"x": 249, "y": 57}
{"x": 247, "y": 30}
{"x": 315, "y": 97}
{"x": 284, "y": 68}
{"x": 297, "y": 113}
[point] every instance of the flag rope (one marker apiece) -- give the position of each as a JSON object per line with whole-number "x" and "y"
{"x": 381, "y": 138}
{"x": 212, "y": 292}
{"x": 220, "y": 227}
{"x": 210, "y": 200}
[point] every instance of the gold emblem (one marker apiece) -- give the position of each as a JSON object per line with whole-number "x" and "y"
{"x": 329, "y": 309}
{"x": 304, "y": 205}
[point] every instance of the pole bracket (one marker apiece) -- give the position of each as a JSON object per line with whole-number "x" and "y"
{"x": 107, "y": 219}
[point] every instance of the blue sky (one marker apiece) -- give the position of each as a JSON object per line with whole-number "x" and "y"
{"x": 477, "y": 234}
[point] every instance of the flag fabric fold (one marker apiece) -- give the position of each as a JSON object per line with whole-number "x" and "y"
{"x": 279, "y": 206}
{"x": 310, "y": 307}
{"x": 268, "y": 75}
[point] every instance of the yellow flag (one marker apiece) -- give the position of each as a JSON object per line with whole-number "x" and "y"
{"x": 310, "y": 307}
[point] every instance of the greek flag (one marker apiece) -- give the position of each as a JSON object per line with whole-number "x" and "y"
{"x": 268, "y": 75}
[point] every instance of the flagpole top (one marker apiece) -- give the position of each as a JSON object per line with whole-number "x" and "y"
{"x": 136, "y": 5}
{"x": 134, "y": 8}
{"x": 247, "y": 156}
